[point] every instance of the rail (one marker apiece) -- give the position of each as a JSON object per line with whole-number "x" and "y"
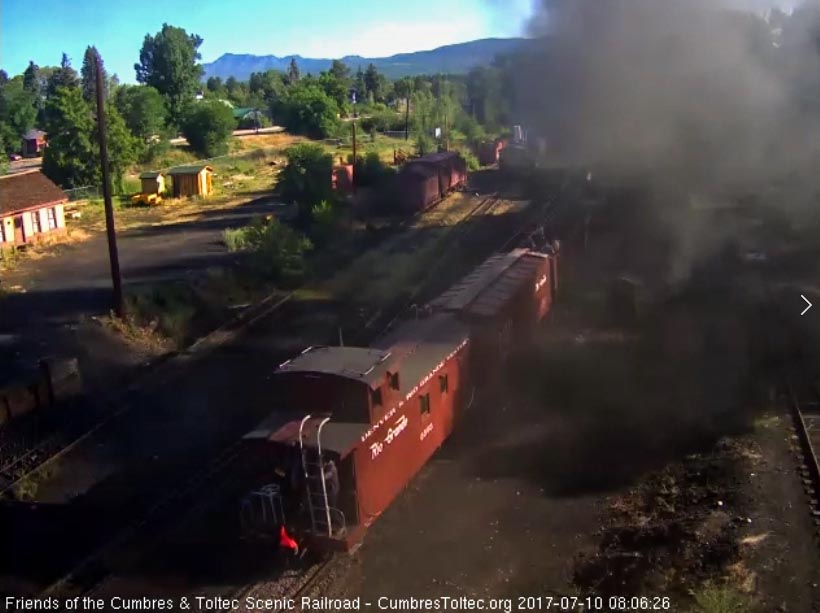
{"x": 94, "y": 572}
{"x": 807, "y": 448}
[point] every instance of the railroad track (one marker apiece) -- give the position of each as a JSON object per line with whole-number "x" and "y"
{"x": 806, "y": 419}
{"x": 51, "y": 448}
{"x": 94, "y": 573}
{"x": 29, "y": 461}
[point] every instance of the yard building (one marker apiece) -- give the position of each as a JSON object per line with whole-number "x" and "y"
{"x": 152, "y": 182}
{"x": 192, "y": 181}
{"x": 31, "y": 209}
{"x": 33, "y": 143}
{"x": 248, "y": 117}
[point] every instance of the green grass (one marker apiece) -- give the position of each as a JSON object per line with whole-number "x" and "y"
{"x": 722, "y": 599}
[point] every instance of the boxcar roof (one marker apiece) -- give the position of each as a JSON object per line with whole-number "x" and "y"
{"x": 422, "y": 344}
{"x": 282, "y": 427}
{"x": 358, "y": 363}
{"x": 435, "y": 158}
{"x": 498, "y": 294}
{"x": 465, "y": 291}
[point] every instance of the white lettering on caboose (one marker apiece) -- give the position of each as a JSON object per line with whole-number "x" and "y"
{"x": 389, "y": 414}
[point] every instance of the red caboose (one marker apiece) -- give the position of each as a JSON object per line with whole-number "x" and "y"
{"x": 391, "y": 408}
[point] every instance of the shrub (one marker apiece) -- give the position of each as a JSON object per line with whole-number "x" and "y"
{"x": 472, "y": 160}
{"x": 306, "y": 179}
{"x": 277, "y": 250}
{"x": 371, "y": 171}
{"x": 207, "y": 125}
{"x": 325, "y": 218}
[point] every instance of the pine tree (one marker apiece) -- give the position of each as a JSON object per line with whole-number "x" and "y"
{"x": 89, "y": 75}
{"x": 293, "y": 71}
{"x": 64, "y": 76}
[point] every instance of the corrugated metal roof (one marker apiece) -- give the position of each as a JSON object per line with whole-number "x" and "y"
{"x": 358, "y": 363}
{"x": 419, "y": 345}
{"x": 498, "y": 294}
{"x": 434, "y": 158}
{"x": 468, "y": 289}
{"x": 28, "y": 190}
{"x": 189, "y": 170}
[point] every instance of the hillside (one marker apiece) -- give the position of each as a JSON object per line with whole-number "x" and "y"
{"x": 453, "y": 59}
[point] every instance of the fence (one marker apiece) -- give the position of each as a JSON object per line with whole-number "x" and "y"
{"x": 83, "y": 193}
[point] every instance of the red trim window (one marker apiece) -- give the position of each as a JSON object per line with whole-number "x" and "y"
{"x": 51, "y": 214}
{"x": 36, "y": 226}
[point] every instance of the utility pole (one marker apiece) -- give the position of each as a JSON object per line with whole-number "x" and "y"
{"x": 113, "y": 255}
{"x": 407, "y": 117}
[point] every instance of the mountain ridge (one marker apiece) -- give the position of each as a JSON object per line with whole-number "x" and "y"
{"x": 457, "y": 58}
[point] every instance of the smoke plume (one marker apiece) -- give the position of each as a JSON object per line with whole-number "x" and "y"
{"x": 703, "y": 93}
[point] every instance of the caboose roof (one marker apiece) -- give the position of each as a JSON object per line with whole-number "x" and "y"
{"x": 420, "y": 345}
{"x": 357, "y": 363}
{"x": 282, "y": 427}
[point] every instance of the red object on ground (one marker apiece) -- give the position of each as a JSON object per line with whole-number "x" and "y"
{"x": 285, "y": 540}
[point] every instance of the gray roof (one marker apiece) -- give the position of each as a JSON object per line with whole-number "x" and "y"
{"x": 419, "y": 345}
{"x": 358, "y": 363}
{"x": 468, "y": 289}
{"x": 283, "y": 427}
{"x": 34, "y": 134}
{"x": 189, "y": 170}
{"x": 151, "y": 174}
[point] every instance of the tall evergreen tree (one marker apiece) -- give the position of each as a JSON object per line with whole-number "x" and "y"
{"x": 293, "y": 71}
{"x": 69, "y": 159}
{"x": 31, "y": 80}
{"x": 64, "y": 76}
{"x": 89, "y": 75}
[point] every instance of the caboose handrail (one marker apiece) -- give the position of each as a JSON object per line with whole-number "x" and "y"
{"x": 322, "y": 473}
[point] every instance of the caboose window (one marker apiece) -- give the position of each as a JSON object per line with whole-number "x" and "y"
{"x": 376, "y": 397}
{"x": 394, "y": 380}
{"x": 443, "y": 384}
{"x": 424, "y": 404}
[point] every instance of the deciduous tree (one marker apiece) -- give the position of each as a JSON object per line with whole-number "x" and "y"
{"x": 207, "y": 125}
{"x": 142, "y": 109}
{"x": 168, "y": 62}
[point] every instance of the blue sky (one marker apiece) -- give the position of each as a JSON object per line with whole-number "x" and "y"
{"x": 41, "y": 30}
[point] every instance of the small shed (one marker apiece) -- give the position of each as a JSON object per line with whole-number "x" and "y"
{"x": 31, "y": 209}
{"x": 152, "y": 182}
{"x": 192, "y": 181}
{"x": 33, "y": 143}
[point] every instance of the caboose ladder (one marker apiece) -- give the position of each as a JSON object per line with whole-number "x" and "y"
{"x": 315, "y": 484}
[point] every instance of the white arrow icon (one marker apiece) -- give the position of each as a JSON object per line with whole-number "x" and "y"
{"x": 806, "y": 310}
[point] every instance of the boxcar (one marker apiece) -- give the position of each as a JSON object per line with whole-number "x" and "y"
{"x": 417, "y": 188}
{"x": 501, "y": 301}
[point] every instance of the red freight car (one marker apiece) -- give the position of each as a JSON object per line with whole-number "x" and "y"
{"x": 489, "y": 152}
{"x": 417, "y": 188}
{"x": 379, "y": 413}
{"x": 425, "y": 180}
